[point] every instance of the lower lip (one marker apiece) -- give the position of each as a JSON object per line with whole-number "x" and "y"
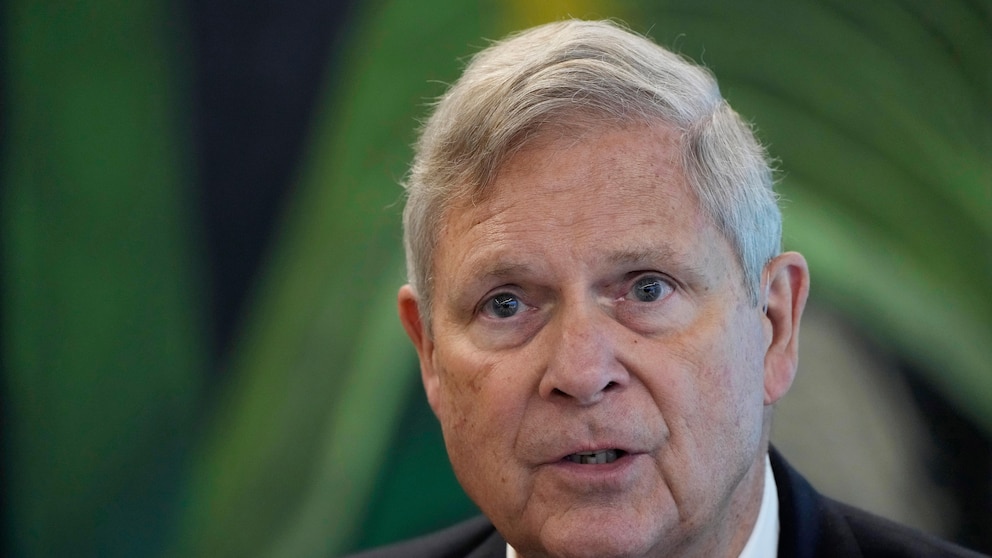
{"x": 617, "y": 474}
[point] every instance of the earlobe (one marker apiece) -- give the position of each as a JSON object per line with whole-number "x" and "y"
{"x": 409, "y": 311}
{"x": 785, "y": 288}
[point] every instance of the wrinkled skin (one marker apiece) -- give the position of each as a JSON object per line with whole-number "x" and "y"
{"x": 587, "y": 303}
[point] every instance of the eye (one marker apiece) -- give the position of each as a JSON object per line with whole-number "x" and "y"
{"x": 649, "y": 289}
{"x": 502, "y": 305}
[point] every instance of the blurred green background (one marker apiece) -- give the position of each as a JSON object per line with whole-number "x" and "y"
{"x": 201, "y": 248}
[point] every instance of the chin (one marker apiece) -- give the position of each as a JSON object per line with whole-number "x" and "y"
{"x": 601, "y": 534}
{"x": 597, "y": 547}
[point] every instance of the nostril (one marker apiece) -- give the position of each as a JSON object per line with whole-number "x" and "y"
{"x": 580, "y": 393}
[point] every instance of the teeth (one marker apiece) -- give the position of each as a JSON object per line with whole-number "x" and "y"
{"x": 594, "y": 457}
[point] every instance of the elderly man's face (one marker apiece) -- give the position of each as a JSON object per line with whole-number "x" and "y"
{"x": 599, "y": 372}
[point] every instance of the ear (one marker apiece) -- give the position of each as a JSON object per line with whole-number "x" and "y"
{"x": 409, "y": 311}
{"x": 785, "y": 287}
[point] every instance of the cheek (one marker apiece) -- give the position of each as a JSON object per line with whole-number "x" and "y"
{"x": 481, "y": 410}
{"x": 738, "y": 378}
{"x": 478, "y": 408}
{"x": 723, "y": 382}
{"x": 458, "y": 391}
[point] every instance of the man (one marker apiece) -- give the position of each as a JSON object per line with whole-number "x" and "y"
{"x": 603, "y": 315}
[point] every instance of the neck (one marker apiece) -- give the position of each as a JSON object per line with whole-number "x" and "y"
{"x": 732, "y": 528}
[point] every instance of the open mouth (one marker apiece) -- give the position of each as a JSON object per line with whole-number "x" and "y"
{"x": 595, "y": 457}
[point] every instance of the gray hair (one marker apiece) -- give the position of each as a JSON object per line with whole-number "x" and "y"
{"x": 579, "y": 75}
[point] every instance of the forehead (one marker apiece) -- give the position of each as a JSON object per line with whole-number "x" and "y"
{"x": 650, "y": 151}
{"x": 615, "y": 194}
{"x": 567, "y": 166}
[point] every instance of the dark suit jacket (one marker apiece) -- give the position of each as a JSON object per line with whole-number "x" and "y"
{"x": 812, "y": 526}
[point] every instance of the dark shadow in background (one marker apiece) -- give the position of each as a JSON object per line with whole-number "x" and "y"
{"x": 257, "y": 77}
{"x": 962, "y": 464}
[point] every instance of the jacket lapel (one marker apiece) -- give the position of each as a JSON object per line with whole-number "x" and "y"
{"x": 810, "y": 527}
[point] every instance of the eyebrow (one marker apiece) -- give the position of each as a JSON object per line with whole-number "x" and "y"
{"x": 500, "y": 272}
{"x": 497, "y": 270}
{"x": 650, "y": 255}
{"x": 638, "y": 255}
{"x": 675, "y": 263}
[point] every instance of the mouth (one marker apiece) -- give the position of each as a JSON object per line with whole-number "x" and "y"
{"x": 595, "y": 457}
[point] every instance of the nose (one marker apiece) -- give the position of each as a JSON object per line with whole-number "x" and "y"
{"x": 583, "y": 361}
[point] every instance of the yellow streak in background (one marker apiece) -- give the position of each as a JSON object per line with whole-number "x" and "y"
{"x": 521, "y": 14}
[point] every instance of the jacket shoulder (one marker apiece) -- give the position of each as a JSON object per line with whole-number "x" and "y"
{"x": 458, "y": 541}
{"x": 815, "y": 526}
{"x": 882, "y": 538}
